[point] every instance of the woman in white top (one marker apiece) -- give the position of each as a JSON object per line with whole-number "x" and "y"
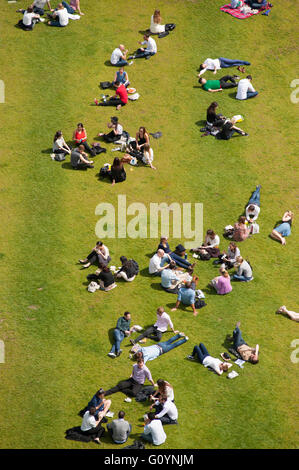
{"x": 210, "y": 245}
{"x": 115, "y": 133}
{"x": 99, "y": 255}
{"x": 146, "y": 157}
{"x": 60, "y": 145}
{"x": 156, "y": 27}
{"x": 229, "y": 257}
{"x": 164, "y": 389}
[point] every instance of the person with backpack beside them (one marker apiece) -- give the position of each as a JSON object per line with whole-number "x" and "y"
{"x": 115, "y": 133}
{"x": 119, "y": 99}
{"x": 129, "y": 269}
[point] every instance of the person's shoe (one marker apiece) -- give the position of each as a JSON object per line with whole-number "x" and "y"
{"x": 97, "y": 441}
{"x": 96, "y": 102}
{"x": 111, "y": 354}
{"x": 118, "y": 107}
{"x": 128, "y": 400}
{"x": 187, "y": 338}
{"x": 132, "y": 342}
{"x": 131, "y": 63}
{"x": 85, "y": 265}
{"x": 181, "y": 333}
{"x": 236, "y": 77}
{"x": 131, "y": 57}
{"x": 145, "y": 416}
{"x": 104, "y": 420}
{"x": 83, "y": 261}
{"x": 191, "y": 358}
{"x": 245, "y": 134}
{"x": 142, "y": 341}
{"x": 119, "y": 353}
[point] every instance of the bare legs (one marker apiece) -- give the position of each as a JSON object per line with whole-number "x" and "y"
{"x": 292, "y": 315}
{"x": 276, "y": 236}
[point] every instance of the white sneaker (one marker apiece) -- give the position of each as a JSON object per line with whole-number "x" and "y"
{"x": 128, "y": 400}
{"x": 181, "y": 333}
{"x": 52, "y": 156}
{"x": 111, "y": 354}
{"x": 115, "y": 149}
{"x": 191, "y": 358}
{"x": 131, "y": 63}
{"x": 42, "y": 20}
{"x": 186, "y": 338}
{"x": 145, "y": 417}
{"x": 110, "y": 414}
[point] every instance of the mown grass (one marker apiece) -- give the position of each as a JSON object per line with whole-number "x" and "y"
{"x": 56, "y": 354}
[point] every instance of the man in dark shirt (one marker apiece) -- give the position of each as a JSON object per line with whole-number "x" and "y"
{"x": 122, "y": 329}
{"x": 79, "y": 159}
{"x": 100, "y": 404}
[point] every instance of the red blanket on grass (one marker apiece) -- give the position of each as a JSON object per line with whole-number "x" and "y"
{"x": 236, "y": 12}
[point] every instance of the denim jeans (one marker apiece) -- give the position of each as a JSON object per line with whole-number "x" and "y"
{"x": 68, "y": 7}
{"x": 140, "y": 54}
{"x": 118, "y": 337}
{"x": 242, "y": 278}
{"x": 171, "y": 343}
{"x": 120, "y": 63}
{"x": 38, "y": 11}
{"x": 238, "y": 340}
{"x": 200, "y": 351}
{"x": 183, "y": 263}
{"x": 251, "y": 94}
{"x": 56, "y": 23}
{"x": 224, "y": 63}
{"x": 255, "y": 197}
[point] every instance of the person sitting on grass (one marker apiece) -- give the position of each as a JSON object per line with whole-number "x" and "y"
{"x": 119, "y": 56}
{"x": 153, "y": 431}
{"x": 213, "y": 119}
{"x": 157, "y": 262}
{"x": 119, "y": 99}
{"x": 201, "y": 353}
{"x": 115, "y": 133}
{"x": 119, "y": 429}
{"x": 245, "y": 89}
{"x": 241, "y": 348}
{"x": 134, "y": 384}
{"x": 156, "y": 27}
{"x": 142, "y": 138}
{"x": 100, "y": 404}
{"x": 229, "y": 258}
{"x": 129, "y": 269}
{"x": 122, "y": 77}
{"x": 241, "y": 231}
{"x": 186, "y": 295}
{"x": 60, "y": 17}
{"x": 228, "y": 129}
{"x": 210, "y": 245}
{"x": 99, "y": 256}
{"x": 170, "y": 281}
{"x": 244, "y": 272}
{"x": 222, "y": 283}
{"x": 292, "y": 315}
{"x": 221, "y": 63}
{"x": 117, "y": 172}
{"x": 284, "y": 229}
{"x": 149, "y": 353}
{"x": 79, "y": 159}
{"x": 253, "y": 206}
{"x": 122, "y": 329}
{"x": 156, "y": 331}
{"x": 164, "y": 389}
{"x": 166, "y": 411}
{"x": 164, "y": 245}
{"x": 228, "y": 81}
{"x": 104, "y": 277}
{"x": 150, "y": 50}
{"x": 60, "y": 145}
{"x": 256, "y": 4}
{"x": 91, "y": 426}
{"x": 146, "y": 157}
{"x": 180, "y": 257}
{"x": 73, "y": 6}
{"x": 29, "y": 19}
{"x": 80, "y": 137}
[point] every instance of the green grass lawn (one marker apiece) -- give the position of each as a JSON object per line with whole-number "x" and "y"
{"x": 57, "y": 337}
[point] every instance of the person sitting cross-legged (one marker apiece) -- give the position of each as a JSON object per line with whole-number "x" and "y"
{"x": 153, "y": 430}
{"x": 157, "y": 262}
{"x": 150, "y": 50}
{"x": 79, "y": 159}
{"x": 186, "y": 295}
{"x": 119, "y": 429}
{"x": 100, "y": 404}
{"x": 246, "y": 352}
{"x": 156, "y": 331}
{"x": 245, "y": 89}
{"x": 60, "y": 17}
{"x": 222, "y": 283}
{"x": 244, "y": 272}
{"x": 206, "y": 360}
{"x": 119, "y": 99}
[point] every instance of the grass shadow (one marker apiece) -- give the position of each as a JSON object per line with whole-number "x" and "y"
{"x": 201, "y": 123}
{"x": 49, "y": 150}
{"x": 68, "y": 166}
{"x": 156, "y": 286}
{"x": 111, "y": 335}
{"x": 144, "y": 273}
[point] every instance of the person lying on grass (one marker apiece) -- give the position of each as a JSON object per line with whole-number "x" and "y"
{"x": 99, "y": 256}
{"x": 253, "y": 206}
{"x": 284, "y": 229}
{"x": 241, "y": 348}
{"x": 119, "y": 99}
{"x": 149, "y": 353}
{"x": 292, "y": 315}
{"x": 228, "y": 81}
{"x": 156, "y": 330}
{"x": 221, "y": 63}
{"x": 134, "y": 384}
{"x": 201, "y": 353}
{"x": 186, "y": 295}
{"x": 146, "y": 157}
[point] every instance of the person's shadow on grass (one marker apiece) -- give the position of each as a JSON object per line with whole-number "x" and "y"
{"x": 144, "y": 273}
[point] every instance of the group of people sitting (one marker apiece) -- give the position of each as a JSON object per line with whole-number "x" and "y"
{"x": 57, "y": 17}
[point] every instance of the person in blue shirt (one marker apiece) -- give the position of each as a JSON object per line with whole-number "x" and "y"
{"x": 256, "y": 4}
{"x": 149, "y": 353}
{"x": 169, "y": 279}
{"x": 186, "y": 295}
{"x": 100, "y": 404}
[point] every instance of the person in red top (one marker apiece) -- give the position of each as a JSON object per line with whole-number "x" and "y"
{"x": 80, "y": 137}
{"x": 119, "y": 99}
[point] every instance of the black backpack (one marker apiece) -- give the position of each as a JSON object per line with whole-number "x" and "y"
{"x": 105, "y": 85}
{"x": 136, "y": 445}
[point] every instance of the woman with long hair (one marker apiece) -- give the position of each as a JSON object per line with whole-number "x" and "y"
{"x": 80, "y": 137}
{"x": 60, "y": 145}
{"x": 164, "y": 390}
{"x": 241, "y": 231}
{"x": 156, "y": 27}
{"x": 284, "y": 229}
{"x": 117, "y": 172}
{"x": 228, "y": 259}
{"x": 115, "y": 133}
{"x": 213, "y": 119}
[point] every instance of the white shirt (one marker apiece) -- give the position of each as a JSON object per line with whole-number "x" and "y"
{"x": 88, "y": 422}
{"x": 155, "y": 428}
{"x": 27, "y": 18}
{"x": 255, "y": 212}
{"x": 119, "y": 129}
{"x": 116, "y": 56}
{"x": 211, "y": 64}
{"x": 148, "y": 156}
{"x": 212, "y": 362}
{"x": 63, "y": 16}
{"x": 40, "y": 3}
{"x": 163, "y": 321}
{"x": 156, "y": 27}
{"x": 169, "y": 408}
{"x": 104, "y": 251}
{"x": 244, "y": 85}
{"x": 212, "y": 241}
{"x": 154, "y": 264}
{"x": 151, "y": 45}
{"x": 60, "y": 142}
{"x": 169, "y": 393}
{"x": 232, "y": 256}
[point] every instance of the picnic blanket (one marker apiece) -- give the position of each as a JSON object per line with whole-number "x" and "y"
{"x": 236, "y": 12}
